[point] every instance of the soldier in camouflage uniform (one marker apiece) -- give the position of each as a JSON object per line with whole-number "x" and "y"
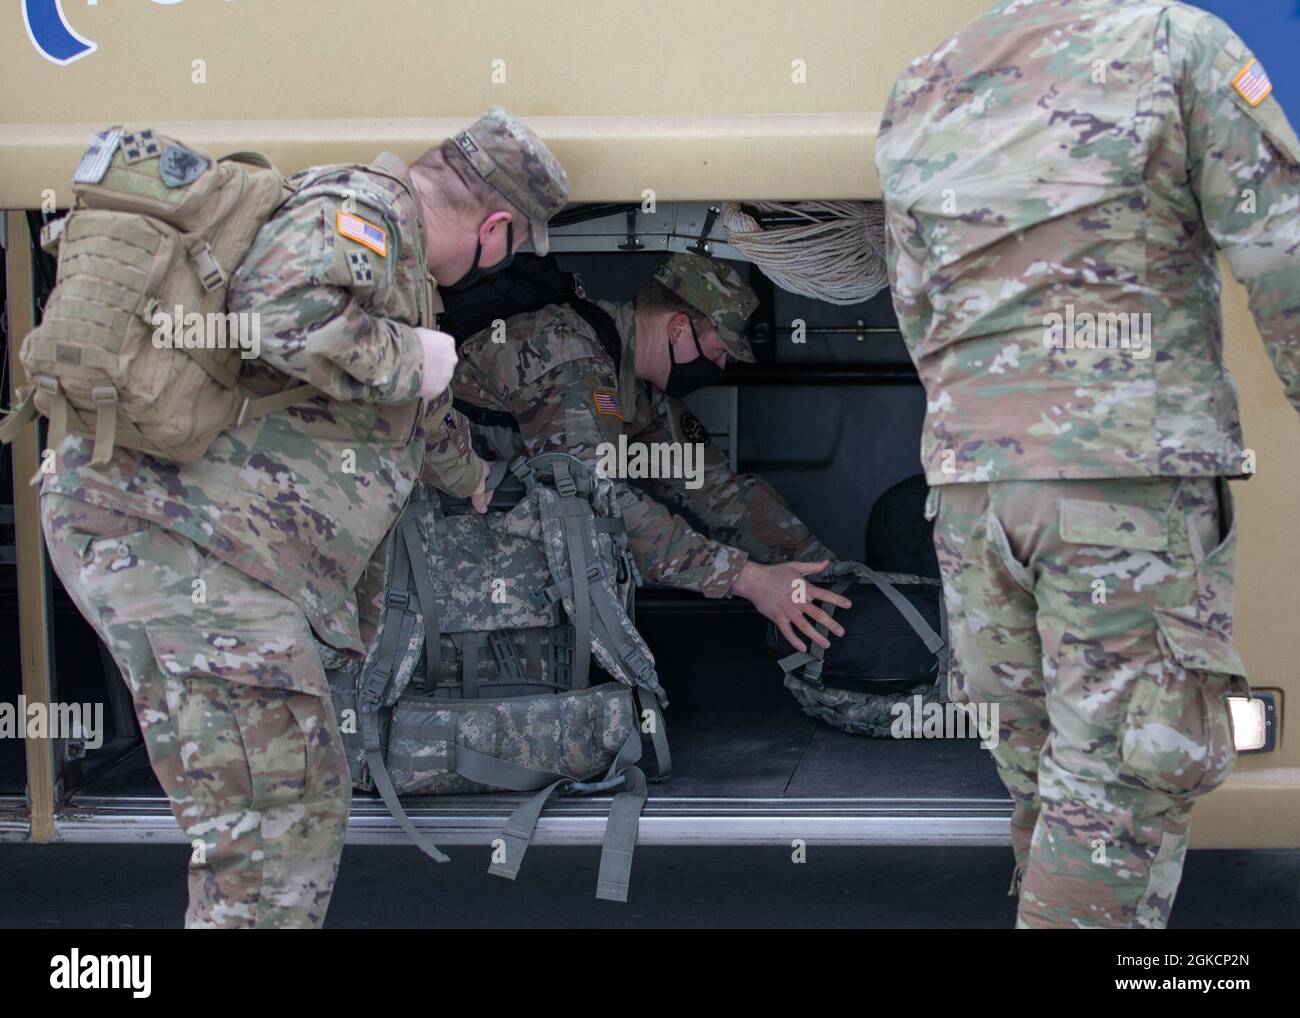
{"x": 550, "y": 373}
{"x": 219, "y": 585}
{"x": 1053, "y": 173}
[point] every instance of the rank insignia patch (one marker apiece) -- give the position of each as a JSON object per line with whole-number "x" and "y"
{"x": 359, "y": 266}
{"x": 1252, "y": 83}
{"x": 352, "y": 226}
{"x": 606, "y": 402}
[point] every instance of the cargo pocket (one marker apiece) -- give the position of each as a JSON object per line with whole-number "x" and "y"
{"x": 267, "y": 659}
{"x": 1176, "y": 736}
{"x": 242, "y": 748}
{"x": 1113, "y": 525}
{"x": 994, "y": 635}
{"x": 81, "y": 525}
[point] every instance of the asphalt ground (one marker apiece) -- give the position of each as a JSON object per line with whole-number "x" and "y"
{"x": 143, "y": 886}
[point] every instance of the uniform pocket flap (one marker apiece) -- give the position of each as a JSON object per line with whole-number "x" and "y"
{"x": 1113, "y": 525}
{"x": 271, "y": 659}
{"x": 1197, "y": 646}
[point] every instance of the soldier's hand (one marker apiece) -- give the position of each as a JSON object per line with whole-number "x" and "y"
{"x": 782, "y": 595}
{"x": 481, "y": 497}
{"x": 439, "y": 362}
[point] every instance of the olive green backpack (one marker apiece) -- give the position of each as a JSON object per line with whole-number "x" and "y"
{"x": 155, "y": 232}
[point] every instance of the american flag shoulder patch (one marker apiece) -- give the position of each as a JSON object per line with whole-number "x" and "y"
{"x": 606, "y": 402}
{"x": 366, "y": 233}
{"x": 1252, "y": 83}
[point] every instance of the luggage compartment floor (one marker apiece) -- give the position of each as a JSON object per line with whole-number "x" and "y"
{"x": 736, "y": 732}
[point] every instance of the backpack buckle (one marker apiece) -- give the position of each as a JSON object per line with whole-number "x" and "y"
{"x": 371, "y": 688}
{"x": 638, "y": 664}
{"x": 211, "y": 274}
{"x": 564, "y": 482}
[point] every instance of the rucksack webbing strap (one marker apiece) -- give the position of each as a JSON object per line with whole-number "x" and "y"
{"x": 574, "y": 515}
{"x": 658, "y": 733}
{"x": 945, "y": 652}
{"x": 932, "y": 640}
{"x": 384, "y": 783}
{"x": 372, "y": 689}
{"x": 470, "y": 647}
{"x": 418, "y": 567}
{"x": 485, "y": 417}
{"x": 254, "y": 407}
{"x": 18, "y": 418}
{"x": 620, "y": 828}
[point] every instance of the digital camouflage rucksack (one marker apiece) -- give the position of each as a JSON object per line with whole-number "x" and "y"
{"x": 480, "y": 675}
{"x": 135, "y": 348}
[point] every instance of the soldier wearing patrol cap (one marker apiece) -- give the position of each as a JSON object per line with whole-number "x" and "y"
{"x": 1059, "y": 178}
{"x": 559, "y": 389}
{"x": 226, "y": 586}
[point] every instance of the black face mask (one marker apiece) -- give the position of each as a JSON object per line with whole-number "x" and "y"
{"x": 476, "y": 272}
{"x": 685, "y": 378}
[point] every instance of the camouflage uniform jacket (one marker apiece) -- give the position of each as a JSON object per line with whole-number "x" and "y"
{"x": 302, "y": 498}
{"x": 553, "y": 376}
{"x": 1059, "y": 161}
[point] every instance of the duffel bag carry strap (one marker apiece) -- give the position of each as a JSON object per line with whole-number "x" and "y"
{"x": 812, "y": 659}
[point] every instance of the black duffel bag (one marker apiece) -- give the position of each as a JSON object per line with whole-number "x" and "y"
{"x": 895, "y": 641}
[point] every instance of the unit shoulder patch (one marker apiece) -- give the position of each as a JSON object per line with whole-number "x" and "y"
{"x": 1252, "y": 83}
{"x": 693, "y": 430}
{"x": 359, "y": 266}
{"x": 606, "y": 402}
{"x": 140, "y": 145}
{"x": 364, "y": 232}
{"x": 179, "y": 166}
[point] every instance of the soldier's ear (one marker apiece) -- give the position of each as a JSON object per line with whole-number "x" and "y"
{"x": 495, "y": 221}
{"x": 679, "y": 325}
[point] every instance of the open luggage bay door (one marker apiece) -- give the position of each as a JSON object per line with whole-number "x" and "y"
{"x": 782, "y": 106}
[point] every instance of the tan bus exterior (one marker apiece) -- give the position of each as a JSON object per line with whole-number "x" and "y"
{"x": 724, "y": 100}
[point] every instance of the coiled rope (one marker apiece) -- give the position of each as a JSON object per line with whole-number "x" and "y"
{"x": 834, "y": 252}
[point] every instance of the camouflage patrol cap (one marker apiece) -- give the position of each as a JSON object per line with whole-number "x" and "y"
{"x": 714, "y": 289}
{"x": 518, "y": 164}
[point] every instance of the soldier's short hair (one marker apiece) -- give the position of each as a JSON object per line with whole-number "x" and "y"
{"x": 460, "y": 185}
{"x": 655, "y": 298}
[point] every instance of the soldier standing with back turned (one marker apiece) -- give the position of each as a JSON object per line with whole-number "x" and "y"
{"x": 1054, "y": 173}
{"x": 220, "y": 585}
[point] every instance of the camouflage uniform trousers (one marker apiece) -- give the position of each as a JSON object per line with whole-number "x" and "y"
{"x": 1097, "y": 615}
{"x": 232, "y": 702}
